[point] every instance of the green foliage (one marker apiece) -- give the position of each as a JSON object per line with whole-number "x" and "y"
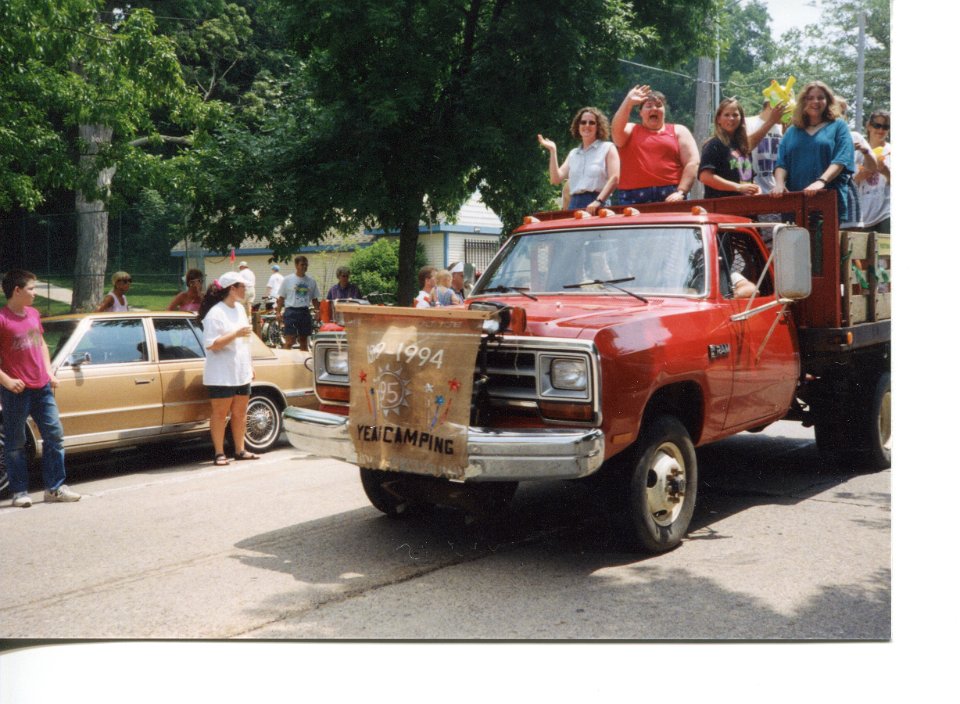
{"x": 66, "y": 63}
{"x": 374, "y": 268}
{"x": 827, "y": 51}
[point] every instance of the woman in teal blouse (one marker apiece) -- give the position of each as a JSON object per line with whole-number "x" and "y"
{"x": 817, "y": 151}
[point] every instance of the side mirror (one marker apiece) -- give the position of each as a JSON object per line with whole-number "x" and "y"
{"x": 791, "y": 258}
{"x": 78, "y": 358}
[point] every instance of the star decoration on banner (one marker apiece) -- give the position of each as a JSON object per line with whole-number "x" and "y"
{"x": 454, "y": 385}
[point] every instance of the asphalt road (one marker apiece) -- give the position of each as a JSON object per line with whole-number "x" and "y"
{"x": 164, "y": 545}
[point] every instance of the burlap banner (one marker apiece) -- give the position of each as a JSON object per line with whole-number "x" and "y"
{"x": 411, "y": 381}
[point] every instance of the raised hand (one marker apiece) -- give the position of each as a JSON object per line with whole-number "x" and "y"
{"x": 547, "y": 144}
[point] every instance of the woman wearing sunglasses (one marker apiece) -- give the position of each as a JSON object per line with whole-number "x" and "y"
{"x": 190, "y": 299}
{"x": 873, "y": 185}
{"x": 592, "y": 169}
{"x": 116, "y": 300}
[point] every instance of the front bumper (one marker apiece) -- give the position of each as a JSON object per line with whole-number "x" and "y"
{"x": 493, "y": 455}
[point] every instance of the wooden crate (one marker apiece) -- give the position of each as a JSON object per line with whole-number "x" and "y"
{"x": 864, "y": 277}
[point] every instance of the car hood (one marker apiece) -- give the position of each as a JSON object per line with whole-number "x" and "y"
{"x": 585, "y": 315}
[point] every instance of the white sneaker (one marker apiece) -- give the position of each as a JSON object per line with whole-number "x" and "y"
{"x": 60, "y": 494}
{"x": 22, "y": 500}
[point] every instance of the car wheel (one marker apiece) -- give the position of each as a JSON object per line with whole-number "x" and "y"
{"x": 263, "y": 423}
{"x": 382, "y": 488}
{"x": 663, "y": 485}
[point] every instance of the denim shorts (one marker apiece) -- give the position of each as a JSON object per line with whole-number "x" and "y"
{"x": 297, "y": 321}
{"x": 653, "y": 194}
{"x": 228, "y": 391}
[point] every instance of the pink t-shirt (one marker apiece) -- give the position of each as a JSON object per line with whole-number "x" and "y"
{"x": 21, "y": 347}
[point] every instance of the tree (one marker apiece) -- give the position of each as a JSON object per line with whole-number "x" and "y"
{"x": 374, "y": 269}
{"x": 827, "y": 51}
{"x": 87, "y": 86}
{"x": 413, "y": 104}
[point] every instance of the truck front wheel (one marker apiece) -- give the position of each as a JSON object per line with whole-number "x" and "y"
{"x": 377, "y": 486}
{"x": 663, "y": 485}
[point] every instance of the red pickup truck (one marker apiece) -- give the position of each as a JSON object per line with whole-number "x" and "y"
{"x": 623, "y": 341}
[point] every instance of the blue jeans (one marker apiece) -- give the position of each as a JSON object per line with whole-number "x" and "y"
{"x": 41, "y": 406}
{"x": 653, "y": 194}
{"x": 579, "y": 201}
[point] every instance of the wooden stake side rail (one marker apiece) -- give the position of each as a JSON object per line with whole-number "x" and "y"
{"x": 865, "y": 277}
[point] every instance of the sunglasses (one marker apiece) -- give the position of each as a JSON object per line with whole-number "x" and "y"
{"x": 880, "y": 125}
{"x": 124, "y": 281}
{"x": 588, "y": 122}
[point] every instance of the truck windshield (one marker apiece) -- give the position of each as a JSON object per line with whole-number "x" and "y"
{"x": 660, "y": 260}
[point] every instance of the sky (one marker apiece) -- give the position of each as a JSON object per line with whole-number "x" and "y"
{"x": 787, "y": 14}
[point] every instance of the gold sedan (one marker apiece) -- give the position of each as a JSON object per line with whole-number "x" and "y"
{"x": 135, "y": 378}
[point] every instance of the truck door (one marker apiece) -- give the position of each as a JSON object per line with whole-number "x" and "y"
{"x": 764, "y": 374}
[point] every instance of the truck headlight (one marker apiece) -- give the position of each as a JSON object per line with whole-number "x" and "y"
{"x": 569, "y": 374}
{"x": 335, "y": 362}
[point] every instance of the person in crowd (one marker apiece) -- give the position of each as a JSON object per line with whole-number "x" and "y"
{"x": 456, "y": 281}
{"x": 228, "y": 365}
{"x": 591, "y": 170}
{"x": 816, "y": 152}
{"x": 659, "y": 161}
{"x": 190, "y": 299}
{"x": 861, "y": 150}
{"x": 426, "y": 279}
{"x": 873, "y": 183}
{"x": 765, "y": 131}
{"x": 725, "y": 166}
{"x": 343, "y": 288}
{"x": 250, "y": 279}
{"x": 297, "y": 298}
{"x": 273, "y": 283}
{"x": 443, "y": 293}
{"x": 27, "y": 383}
{"x": 116, "y": 300}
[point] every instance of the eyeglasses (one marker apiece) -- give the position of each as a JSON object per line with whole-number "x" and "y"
{"x": 880, "y": 125}
{"x": 588, "y": 122}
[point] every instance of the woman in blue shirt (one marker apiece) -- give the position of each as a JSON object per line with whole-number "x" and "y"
{"x": 817, "y": 151}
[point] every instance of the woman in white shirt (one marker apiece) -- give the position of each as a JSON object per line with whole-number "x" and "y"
{"x": 592, "y": 169}
{"x": 228, "y": 366}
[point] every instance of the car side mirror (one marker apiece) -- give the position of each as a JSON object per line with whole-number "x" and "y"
{"x": 791, "y": 259}
{"x": 78, "y": 358}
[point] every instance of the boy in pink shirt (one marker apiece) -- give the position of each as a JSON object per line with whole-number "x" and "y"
{"x": 26, "y": 389}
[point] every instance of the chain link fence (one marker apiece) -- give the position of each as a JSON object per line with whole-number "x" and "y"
{"x": 46, "y": 244}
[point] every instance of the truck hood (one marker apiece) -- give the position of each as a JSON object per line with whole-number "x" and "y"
{"x": 585, "y": 315}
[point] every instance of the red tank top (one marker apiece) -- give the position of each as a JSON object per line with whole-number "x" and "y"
{"x": 650, "y": 158}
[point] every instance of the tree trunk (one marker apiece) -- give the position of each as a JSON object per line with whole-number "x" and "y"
{"x": 92, "y": 221}
{"x": 406, "y": 276}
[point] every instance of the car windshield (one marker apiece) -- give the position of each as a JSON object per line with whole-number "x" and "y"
{"x": 648, "y": 260}
{"x": 56, "y": 334}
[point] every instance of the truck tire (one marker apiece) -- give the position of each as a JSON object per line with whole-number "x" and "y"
{"x": 385, "y": 501}
{"x": 878, "y": 432}
{"x": 663, "y": 485}
{"x": 859, "y": 440}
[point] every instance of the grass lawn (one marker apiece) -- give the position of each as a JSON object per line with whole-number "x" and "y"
{"x": 144, "y": 293}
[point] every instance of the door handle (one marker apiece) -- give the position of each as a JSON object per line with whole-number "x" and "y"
{"x": 142, "y": 381}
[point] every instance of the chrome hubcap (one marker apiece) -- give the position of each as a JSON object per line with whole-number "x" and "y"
{"x": 666, "y": 484}
{"x": 260, "y": 422}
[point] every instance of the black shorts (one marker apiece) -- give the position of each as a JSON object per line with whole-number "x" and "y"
{"x": 228, "y": 391}
{"x": 297, "y": 321}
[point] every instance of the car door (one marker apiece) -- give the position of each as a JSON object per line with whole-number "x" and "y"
{"x": 110, "y": 394}
{"x": 180, "y": 354}
{"x": 765, "y": 362}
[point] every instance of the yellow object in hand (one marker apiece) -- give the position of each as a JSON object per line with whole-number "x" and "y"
{"x": 776, "y": 94}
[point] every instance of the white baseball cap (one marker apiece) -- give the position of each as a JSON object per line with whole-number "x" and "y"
{"x": 457, "y": 268}
{"x": 241, "y": 265}
{"x": 229, "y": 279}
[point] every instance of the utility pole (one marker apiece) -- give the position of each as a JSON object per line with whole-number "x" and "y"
{"x": 703, "y": 110}
{"x": 861, "y": 50}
